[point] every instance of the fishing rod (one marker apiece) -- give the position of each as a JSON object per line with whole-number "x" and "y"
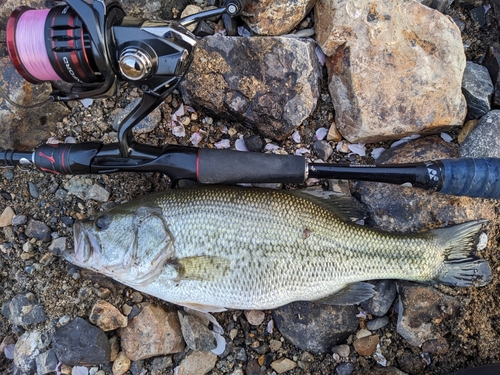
{"x": 95, "y": 47}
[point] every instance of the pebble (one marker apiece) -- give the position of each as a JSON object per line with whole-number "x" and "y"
{"x": 333, "y": 134}
{"x": 23, "y": 310}
{"x": 275, "y": 345}
{"x": 466, "y": 129}
{"x": 323, "y": 149}
{"x": 363, "y": 333}
{"x": 107, "y": 317}
{"x": 39, "y": 230}
{"x": 81, "y": 343}
{"x": 126, "y": 309}
{"x": 197, "y": 363}
{"x": 160, "y": 364}
{"x": 195, "y": 333}
{"x": 255, "y": 317}
{"x": 146, "y": 125}
{"x": 477, "y": 89}
{"x": 34, "y": 190}
{"x": 345, "y": 368}
{"x": 342, "y": 350}
{"x": 121, "y": 364}
{"x": 377, "y": 323}
{"x": 136, "y": 297}
{"x": 58, "y": 246}
{"x": 483, "y": 140}
{"x": 7, "y": 217}
{"x": 19, "y": 220}
{"x": 436, "y": 346}
{"x": 366, "y": 345}
{"x": 8, "y": 174}
{"x": 46, "y": 362}
{"x": 153, "y": 331}
{"x": 282, "y": 365}
{"x": 26, "y": 351}
{"x": 115, "y": 348}
{"x": 382, "y": 300}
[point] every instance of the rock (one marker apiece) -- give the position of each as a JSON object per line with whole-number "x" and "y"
{"x": 384, "y": 296}
{"x": 420, "y": 309}
{"x": 477, "y": 89}
{"x": 492, "y": 63}
{"x": 270, "y": 84}
{"x": 23, "y": 310}
{"x": 146, "y": 125}
{"x": 121, "y": 364}
{"x": 58, "y": 246}
{"x": 283, "y": 365}
{"x": 188, "y": 11}
{"x": 154, "y": 331}
{"x": 255, "y": 317}
{"x": 197, "y": 363}
{"x": 106, "y": 316}
{"x": 34, "y": 190}
{"x": 436, "y": 346}
{"x": 25, "y": 129}
{"x": 7, "y": 217}
{"x": 83, "y": 190}
{"x": 345, "y": 368}
{"x": 440, "y": 5}
{"x": 333, "y": 134}
{"x": 323, "y": 149}
{"x": 160, "y": 364}
{"x": 410, "y": 362}
{"x": 405, "y": 209}
{"x": 39, "y": 230}
{"x": 196, "y": 333}
{"x": 98, "y": 193}
{"x": 46, "y": 362}
{"x": 315, "y": 327}
{"x": 254, "y": 143}
{"x": 19, "y": 220}
{"x": 81, "y": 343}
{"x": 27, "y": 349}
{"x": 268, "y": 17}
{"x": 484, "y": 139}
{"x": 371, "y": 46}
{"x": 377, "y": 323}
{"x": 366, "y": 345}
{"x": 342, "y": 350}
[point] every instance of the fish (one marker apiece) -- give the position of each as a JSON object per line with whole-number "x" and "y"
{"x": 217, "y": 248}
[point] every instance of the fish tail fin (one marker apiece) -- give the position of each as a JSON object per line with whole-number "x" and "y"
{"x": 461, "y": 267}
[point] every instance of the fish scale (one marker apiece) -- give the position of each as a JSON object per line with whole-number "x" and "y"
{"x": 259, "y": 249}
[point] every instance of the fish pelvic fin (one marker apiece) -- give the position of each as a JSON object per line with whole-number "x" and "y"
{"x": 461, "y": 267}
{"x": 351, "y": 294}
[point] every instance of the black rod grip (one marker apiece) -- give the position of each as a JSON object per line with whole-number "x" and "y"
{"x": 477, "y": 178}
{"x": 230, "y": 167}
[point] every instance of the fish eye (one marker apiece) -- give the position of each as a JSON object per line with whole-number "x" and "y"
{"x": 102, "y": 222}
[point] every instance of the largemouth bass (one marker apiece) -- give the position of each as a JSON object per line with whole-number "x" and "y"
{"x": 214, "y": 248}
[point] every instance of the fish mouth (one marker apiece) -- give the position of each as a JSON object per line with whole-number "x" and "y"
{"x": 86, "y": 246}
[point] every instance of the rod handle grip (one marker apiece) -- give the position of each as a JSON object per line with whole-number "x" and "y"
{"x": 230, "y": 167}
{"x": 472, "y": 177}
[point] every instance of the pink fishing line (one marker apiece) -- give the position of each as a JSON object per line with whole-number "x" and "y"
{"x": 30, "y": 44}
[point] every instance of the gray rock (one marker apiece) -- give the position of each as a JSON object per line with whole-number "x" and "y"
{"x": 19, "y": 220}
{"x": 58, "y": 246}
{"x": 146, "y": 125}
{"x": 315, "y": 327}
{"x": 46, "y": 362}
{"x": 254, "y": 143}
{"x": 23, "y": 310}
{"x": 27, "y": 349}
{"x": 80, "y": 343}
{"x": 323, "y": 149}
{"x": 492, "y": 63}
{"x": 484, "y": 140}
{"x": 441, "y": 5}
{"x": 195, "y": 333}
{"x": 270, "y": 84}
{"x": 345, "y": 368}
{"x": 393, "y": 47}
{"x": 160, "y": 364}
{"x": 477, "y": 89}
{"x": 83, "y": 190}
{"x": 197, "y": 363}
{"x": 421, "y": 309}
{"x": 34, "y": 190}
{"x": 382, "y": 300}
{"x": 377, "y": 323}
{"x": 39, "y": 230}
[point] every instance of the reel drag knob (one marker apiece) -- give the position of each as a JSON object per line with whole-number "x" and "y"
{"x": 135, "y": 64}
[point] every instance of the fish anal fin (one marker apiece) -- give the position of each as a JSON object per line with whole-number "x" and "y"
{"x": 202, "y": 308}
{"x": 351, "y": 294}
{"x": 201, "y": 267}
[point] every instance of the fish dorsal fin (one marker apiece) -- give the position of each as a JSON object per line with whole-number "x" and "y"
{"x": 201, "y": 267}
{"x": 351, "y": 294}
{"x": 346, "y": 207}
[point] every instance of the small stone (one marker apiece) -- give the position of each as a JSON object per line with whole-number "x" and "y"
{"x": 363, "y": 333}
{"x": 26, "y": 351}
{"x": 81, "y": 343}
{"x": 107, "y": 317}
{"x": 344, "y": 368}
{"x": 254, "y": 143}
{"x": 410, "y": 363}
{"x": 7, "y": 217}
{"x": 377, "y": 323}
{"x": 27, "y": 247}
{"x": 23, "y": 310}
{"x": 115, "y": 348}
{"x": 39, "y": 230}
{"x": 146, "y": 125}
{"x": 483, "y": 140}
{"x": 436, "y": 346}
{"x": 197, "y": 363}
{"x": 282, "y": 365}
{"x": 160, "y": 364}
{"x": 19, "y": 220}
{"x": 195, "y": 333}
{"x": 34, "y": 190}
{"x": 58, "y": 246}
{"x": 188, "y": 11}
{"x": 342, "y": 350}
{"x": 8, "y": 174}
{"x": 152, "y": 332}
{"x": 98, "y": 193}
{"x": 333, "y": 134}
{"x": 46, "y": 362}
{"x": 121, "y": 364}
{"x": 233, "y": 333}
{"x": 255, "y": 317}
{"x": 275, "y": 345}
{"x": 126, "y": 309}
{"x": 136, "y": 297}
{"x": 323, "y": 149}
{"x": 477, "y": 89}
{"x": 366, "y": 345}
{"x": 466, "y": 129}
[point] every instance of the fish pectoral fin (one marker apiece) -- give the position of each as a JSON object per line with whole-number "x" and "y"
{"x": 351, "y": 294}
{"x": 202, "y": 308}
{"x": 201, "y": 267}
